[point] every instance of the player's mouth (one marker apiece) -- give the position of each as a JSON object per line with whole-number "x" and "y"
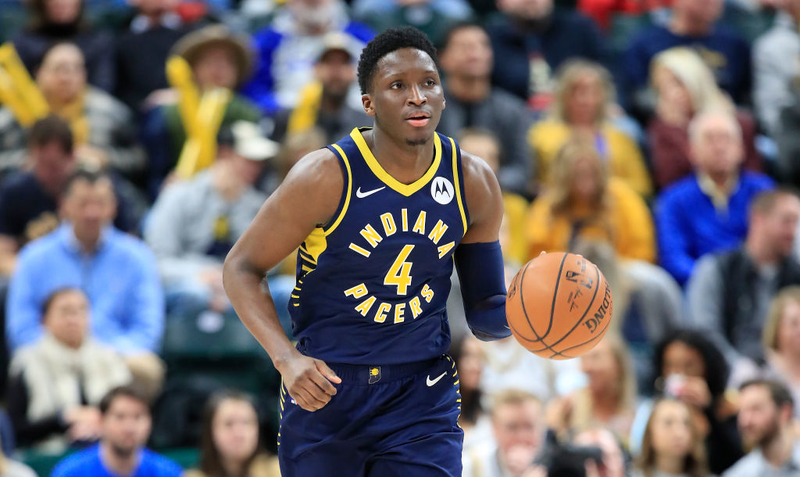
{"x": 419, "y": 119}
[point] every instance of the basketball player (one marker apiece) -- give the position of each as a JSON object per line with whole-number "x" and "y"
{"x": 378, "y": 218}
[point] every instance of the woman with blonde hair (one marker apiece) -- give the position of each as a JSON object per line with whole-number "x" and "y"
{"x": 685, "y": 87}
{"x": 584, "y": 203}
{"x": 583, "y": 104}
{"x": 672, "y": 445}
{"x": 781, "y": 338}
{"x": 609, "y": 398}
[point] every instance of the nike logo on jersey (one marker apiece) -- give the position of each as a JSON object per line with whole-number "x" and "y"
{"x": 368, "y": 193}
{"x": 430, "y": 382}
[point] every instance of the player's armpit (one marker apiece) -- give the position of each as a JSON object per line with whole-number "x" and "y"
{"x": 483, "y": 289}
{"x": 484, "y": 200}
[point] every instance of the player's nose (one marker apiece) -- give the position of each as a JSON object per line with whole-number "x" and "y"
{"x": 416, "y": 96}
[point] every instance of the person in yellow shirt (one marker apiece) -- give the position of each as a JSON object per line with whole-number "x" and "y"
{"x": 585, "y": 96}
{"x": 584, "y": 202}
{"x": 483, "y": 143}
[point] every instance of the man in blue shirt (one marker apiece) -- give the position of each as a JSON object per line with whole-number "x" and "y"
{"x": 116, "y": 271}
{"x": 126, "y": 427}
{"x": 707, "y": 212}
{"x": 693, "y": 25}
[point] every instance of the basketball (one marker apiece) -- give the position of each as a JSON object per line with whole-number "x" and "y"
{"x": 559, "y": 306}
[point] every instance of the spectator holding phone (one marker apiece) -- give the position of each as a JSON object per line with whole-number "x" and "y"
{"x": 672, "y": 445}
{"x": 692, "y": 370}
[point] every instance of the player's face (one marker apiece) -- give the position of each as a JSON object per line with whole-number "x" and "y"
{"x": 67, "y": 317}
{"x": 671, "y": 429}
{"x": 126, "y": 425}
{"x": 235, "y": 430}
{"x": 789, "y": 327}
{"x": 406, "y": 98}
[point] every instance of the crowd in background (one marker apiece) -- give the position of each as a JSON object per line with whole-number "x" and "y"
{"x": 660, "y": 139}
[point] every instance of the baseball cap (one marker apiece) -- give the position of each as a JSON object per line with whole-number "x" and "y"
{"x": 248, "y": 141}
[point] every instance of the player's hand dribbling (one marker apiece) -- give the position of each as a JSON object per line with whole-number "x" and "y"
{"x": 308, "y": 381}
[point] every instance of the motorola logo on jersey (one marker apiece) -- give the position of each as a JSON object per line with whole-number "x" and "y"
{"x": 442, "y": 190}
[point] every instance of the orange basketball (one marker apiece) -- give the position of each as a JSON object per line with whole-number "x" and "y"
{"x": 559, "y": 306}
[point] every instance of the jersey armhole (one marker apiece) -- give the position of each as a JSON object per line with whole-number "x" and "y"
{"x": 347, "y": 190}
{"x": 458, "y": 178}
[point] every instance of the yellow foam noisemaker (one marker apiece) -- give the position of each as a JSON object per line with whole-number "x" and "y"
{"x": 18, "y": 91}
{"x": 201, "y": 117}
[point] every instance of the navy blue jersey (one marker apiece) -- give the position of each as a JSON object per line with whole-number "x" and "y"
{"x": 372, "y": 283}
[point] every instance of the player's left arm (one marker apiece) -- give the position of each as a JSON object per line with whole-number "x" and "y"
{"x": 478, "y": 258}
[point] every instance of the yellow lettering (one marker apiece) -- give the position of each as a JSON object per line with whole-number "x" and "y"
{"x": 405, "y": 220}
{"x": 383, "y": 309}
{"x": 437, "y": 232}
{"x": 419, "y": 226}
{"x": 389, "y": 226}
{"x": 371, "y": 235}
{"x": 427, "y": 293}
{"x": 416, "y": 310}
{"x": 357, "y": 291}
{"x": 445, "y": 248}
{"x": 360, "y": 250}
{"x": 365, "y": 306}
{"x": 398, "y": 312}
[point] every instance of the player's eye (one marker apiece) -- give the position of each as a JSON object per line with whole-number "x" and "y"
{"x": 396, "y": 85}
{"x": 430, "y": 82}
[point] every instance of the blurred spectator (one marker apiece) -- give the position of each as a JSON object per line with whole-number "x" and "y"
{"x": 775, "y": 78}
{"x": 582, "y": 107}
{"x": 781, "y": 337}
{"x": 672, "y": 446}
{"x": 287, "y": 50}
{"x": 57, "y": 382}
{"x": 518, "y": 430}
{"x": 472, "y": 102}
{"x": 531, "y": 40}
{"x": 103, "y": 127}
{"x": 614, "y": 458}
{"x": 729, "y": 293}
{"x": 12, "y": 468}
{"x": 230, "y": 441}
{"x": 323, "y": 102}
{"x": 126, "y": 422}
{"x": 142, "y": 50}
{"x": 116, "y": 271}
{"x": 602, "y": 11}
{"x": 432, "y": 17}
{"x": 583, "y": 202}
{"x": 28, "y": 199}
{"x": 194, "y": 223}
{"x": 693, "y": 24}
{"x": 65, "y": 21}
{"x": 468, "y": 356}
{"x": 609, "y": 398}
{"x": 648, "y": 303}
{"x": 293, "y": 148}
{"x": 692, "y": 370}
{"x": 765, "y": 421}
{"x": 707, "y": 212}
{"x": 685, "y": 86}
{"x": 484, "y": 144}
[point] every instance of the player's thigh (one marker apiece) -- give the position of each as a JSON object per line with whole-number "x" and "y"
{"x": 327, "y": 459}
{"x": 438, "y": 455}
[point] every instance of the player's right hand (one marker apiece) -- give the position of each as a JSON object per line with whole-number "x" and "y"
{"x": 308, "y": 381}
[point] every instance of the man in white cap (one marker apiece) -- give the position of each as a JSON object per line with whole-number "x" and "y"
{"x": 194, "y": 223}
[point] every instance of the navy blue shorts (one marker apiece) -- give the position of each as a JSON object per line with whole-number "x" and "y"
{"x": 387, "y": 421}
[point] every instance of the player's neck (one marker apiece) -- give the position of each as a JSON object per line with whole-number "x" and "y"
{"x": 404, "y": 162}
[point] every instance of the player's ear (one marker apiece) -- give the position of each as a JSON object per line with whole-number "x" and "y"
{"x": 366, "y": 101}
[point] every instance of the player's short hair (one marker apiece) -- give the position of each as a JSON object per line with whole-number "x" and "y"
{"x": 390, "y": 40}
{"x": 778, "y": 391}
{"x": 512, "y": 397}
{"x": 51, "y": 129}
{"x": 128, "y": 391}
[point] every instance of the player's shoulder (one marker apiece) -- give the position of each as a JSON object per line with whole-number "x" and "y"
{"x": 320, "y": 167}
{"x": 476, "y": 171}
{"x": 481, "y": 189}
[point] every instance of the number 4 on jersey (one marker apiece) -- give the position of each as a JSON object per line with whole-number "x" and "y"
{"x": 399, "y": 273}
